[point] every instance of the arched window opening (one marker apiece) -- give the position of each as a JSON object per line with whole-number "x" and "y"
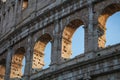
{"x": 39, "y": 54}
{"x": 78, "y": 42}
{"x": 16, "y": 65}
{"x": 113, "y": 29}
{"x": 47, "y": 55}
{"x": 2, "y": 69}
{"x": 23, "y": 65}
{"x": 103, "y": 22}
{"x": 25, "y": 4}
{"x": 67, "y": 38}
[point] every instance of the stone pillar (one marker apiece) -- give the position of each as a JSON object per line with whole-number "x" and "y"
{"x": 86, "y": 38}
{"x": 21, "y": 5}
{"x": 8, "y": 63}
{"x": 56, "y": 46}
{"x": 15, "y": 11}
{"x": 6, "y": 22}
{"x": 0, "y": 25}
{"x": 55, "y": 50}
{"x": 12, "y": 15}
{"x": 28, "y": 59}
{"x": 2, "y": 21}
{"x": 91, "y": 41}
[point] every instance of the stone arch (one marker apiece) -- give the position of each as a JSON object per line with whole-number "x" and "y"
{"x": 67, "y": 34}
{"x": 16, "y": 64}
{"x": 106, "y": 12}
{"x": 38, "y": 55}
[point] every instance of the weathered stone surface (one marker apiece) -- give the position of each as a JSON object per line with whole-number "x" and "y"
{"x": 26, "y": 26}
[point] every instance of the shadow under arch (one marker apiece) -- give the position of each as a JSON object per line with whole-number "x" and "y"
{"x": 102, "y": 19}
{"x": 38, "y": 55}
{"x": 67, "y": 37}
{"x": 17, "y": 63}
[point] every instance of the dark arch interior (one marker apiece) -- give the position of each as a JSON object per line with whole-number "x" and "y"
{"x": 106, "y": 13}
{"x": 67, "y": 37}
{"x": 16, "y": 65}
{"x": 38, "y": 57}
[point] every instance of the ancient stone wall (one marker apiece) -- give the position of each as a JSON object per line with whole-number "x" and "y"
{"x": 26, "y": 26}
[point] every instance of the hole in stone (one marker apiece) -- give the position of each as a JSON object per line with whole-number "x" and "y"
{"x": 98, "y": 55}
